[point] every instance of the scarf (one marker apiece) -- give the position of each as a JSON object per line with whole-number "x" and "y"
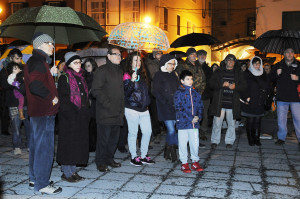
{"x": 254, "y": 71}
{"x": 75, "y": 96}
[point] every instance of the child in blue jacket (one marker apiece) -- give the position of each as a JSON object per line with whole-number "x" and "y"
{"x": 189, "y": 108}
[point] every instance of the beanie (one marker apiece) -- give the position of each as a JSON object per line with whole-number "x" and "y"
{"x": 201, "y": 52}
{"x": 190, "y": 51}
{"x": 71, "y": 56}
{"x": 39, "y": 38}
{"x": 164, "y": 60}
{"x": 230, "y": 56}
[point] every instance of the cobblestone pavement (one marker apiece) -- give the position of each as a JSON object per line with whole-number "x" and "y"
{"x": 268, "y": 171}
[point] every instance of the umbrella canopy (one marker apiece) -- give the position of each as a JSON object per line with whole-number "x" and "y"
{"x": 177, "y": 52}
{"x": 64, "y": 24}
{"x": 194, "y": 39}
{"x": 139, "y": 36}
{"x": 276, "y": 41}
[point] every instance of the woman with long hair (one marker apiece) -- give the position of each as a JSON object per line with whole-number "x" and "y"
{"x": 137, "y": 114}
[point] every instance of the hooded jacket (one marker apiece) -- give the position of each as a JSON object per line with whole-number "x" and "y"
{"x": 188, "y": 104}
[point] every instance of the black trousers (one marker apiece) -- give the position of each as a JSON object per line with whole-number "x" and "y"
{"x": 253, "y": 123}
{"x": 107, "y": 141}
{"x": 4, "y": 113}
{"x": 154, "y": 117}
{"x": 123, "y": 134}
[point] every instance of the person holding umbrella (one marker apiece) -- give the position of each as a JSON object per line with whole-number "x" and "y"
{"x": 43, "y": 104}
{"x": 286, "y": 75}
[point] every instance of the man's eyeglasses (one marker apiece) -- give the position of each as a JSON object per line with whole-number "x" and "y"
{"x": 76, "y": 62}
{"x": 117, "y": 54}
{"x": 49, "y": 43}
{"x": 170, "y": 64}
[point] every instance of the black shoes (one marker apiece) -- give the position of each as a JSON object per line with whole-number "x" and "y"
{"x": 102, "y": 168}
{"x": 202, "y": 146}
{"x": 73, "y": 178}
{"x": 123, "y": 149}
{"x": 213, "y": 146}
{"x": 228, "y": 146}
{"x": 279, "y": 142}
{"x": 114, "y": 164}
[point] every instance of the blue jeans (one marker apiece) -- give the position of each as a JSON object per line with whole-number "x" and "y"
{"x": 134, "y": 119}
{"x": 15, "y": 127}
{"x": 282, "y": 111}
{"x": 190, "y": 136}
{"x": 41, "y": 150}
{"x": 217, "y": 125}
{"x": 172, "y": 137}
{"x": 68, "y": 170}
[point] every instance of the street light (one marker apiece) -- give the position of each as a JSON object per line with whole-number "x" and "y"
{"x": 1, "y": 10}
{"x": 147, "y": 19}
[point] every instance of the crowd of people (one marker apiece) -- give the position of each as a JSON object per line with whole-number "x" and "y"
{"x": 126, "y": 101}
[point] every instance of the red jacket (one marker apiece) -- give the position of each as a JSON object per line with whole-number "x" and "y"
{"x": 40, "y": 86}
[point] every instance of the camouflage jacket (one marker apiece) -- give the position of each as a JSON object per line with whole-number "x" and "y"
{"x": 198, "y": 74}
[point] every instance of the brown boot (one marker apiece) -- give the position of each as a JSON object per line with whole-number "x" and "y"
{"x": 21, "y": 114}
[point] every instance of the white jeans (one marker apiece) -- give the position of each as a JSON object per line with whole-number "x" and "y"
{"x": 217, "y": 124}
{"x": 190, "y": 136}
{"x": 134, "y": 119}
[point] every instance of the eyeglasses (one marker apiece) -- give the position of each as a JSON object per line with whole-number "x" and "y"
{"x": 76, "y": 62}
{"x": 170, "y": 64}
{"x": 49, "y": 43}
{"x": 117, "y": 54}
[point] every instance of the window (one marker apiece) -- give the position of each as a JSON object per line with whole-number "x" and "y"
{"x": 131, "y": 11}
{"x": 165, "y": 19}
{"x": 251, "y": 26}
{"x": 290, "y": 20}
{"x": 16, "y": 6}
{"x": 96, "y": 10}
{"x": 178, "y": 25}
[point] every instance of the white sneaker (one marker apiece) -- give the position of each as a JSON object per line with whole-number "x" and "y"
{"x": 17, "y": 151}
{"x": 50, "y": 190}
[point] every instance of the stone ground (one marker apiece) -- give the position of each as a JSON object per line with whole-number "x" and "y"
{"x": 268, "y": 171}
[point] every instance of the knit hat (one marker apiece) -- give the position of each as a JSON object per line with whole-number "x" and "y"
{"x": 39, "y": 38}
{"x": 154, "y": 52}
{"x": 230, "y": 57}
{"x": 164, "y": 62}
{"x": 190, "y": 51}
{"x": 201, "y": 52}
{"x": 71, "y": 56}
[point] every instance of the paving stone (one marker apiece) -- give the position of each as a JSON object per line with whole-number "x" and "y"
{"x": 142, "y": 187}
{"x": 90, "y": 174}
{"x": 117, "y": 176}
{"x": 292, "y": 191}
{"x": 247, "y": 178}
{"x": 215, "y": 175}
{"x": 5, "y": 196}
{"x": 160, "y": 196}
{"x": 82, "y": 183}
{"x": 179, "y": 181}
{"x": 208, "y": 183}
{"x": 173, "y": 189}
{"x": 209, "y": 192}
{"x": 278, "y": 173}
{"x": 238, "y": 194}
{"x": 275, "y": 161}
{"x": 146, "y": 178}
{"x": 281, "y": 181}
{"x": 106, "y": 184}
{"x": 179, "y": 173}
{"x": 220, "y": 163}
{"x": 92, "y": 193}
{"x": 128, "y": 169}
{"x": 281, "y": 167}
{"x": 155, "y": 171}
{"x": 129, "y": 195}
{"x": 218, "y": 169}
{"x": 247, "y": 171}
{"x": 222, "y": 157}
{"x": 247, "y": 186}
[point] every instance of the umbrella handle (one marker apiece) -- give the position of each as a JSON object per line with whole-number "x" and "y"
{"x": 138, "y": 77}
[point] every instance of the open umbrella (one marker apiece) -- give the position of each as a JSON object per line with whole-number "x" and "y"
{"x": 64, "y": 24}
{"x": 139, "y": 36}
{"x": 194, "y": 39}
{"x": 276, "y": 41}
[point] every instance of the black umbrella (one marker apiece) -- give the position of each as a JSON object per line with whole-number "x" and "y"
{"x": 276, "y": 41}
{"x": 177, "y": 52}
{"x": 194, "y": 39}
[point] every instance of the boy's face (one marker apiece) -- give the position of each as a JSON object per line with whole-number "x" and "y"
{"x": 188, "y": 81}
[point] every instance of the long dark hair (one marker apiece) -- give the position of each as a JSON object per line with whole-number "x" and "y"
{"x": 93, "y": 63}
{"x": 128, "y": 68}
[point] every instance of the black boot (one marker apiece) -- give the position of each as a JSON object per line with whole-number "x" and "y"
{"x": 250, "y": 138}
{"x": 173, "y": 153}
{"x": 167, "y": 152}
{"x": 257, "y": 137}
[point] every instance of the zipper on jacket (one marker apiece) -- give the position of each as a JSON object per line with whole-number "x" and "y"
{"x": 190, "y": 90}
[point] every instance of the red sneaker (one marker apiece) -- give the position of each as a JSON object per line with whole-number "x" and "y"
{"x": 195, "y": 166}
{"x": 185, "y": 168}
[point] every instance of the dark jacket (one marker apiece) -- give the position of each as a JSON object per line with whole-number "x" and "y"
{"x": 8, "y": 90}
{"x": 73, "y": 137}
{"x": 207, "y": 94}
{"x": 108, "y": 90}
{"x": 216, "y": 83}
{"x": 152, "y": 66}
{"x": 188, "y": 104}
{"x": 136, "y": 94}
{"x": 40, "y": 86}
{"x": 286, "y": 88}
{"x": 92, "y": 101}
{"x": 164, "y": 87}
{"x": 198, "y": 74}
{"x": 255, "y": 85}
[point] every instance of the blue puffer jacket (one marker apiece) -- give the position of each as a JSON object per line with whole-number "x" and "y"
{"x": 188, "y": 104}
{"x": 136, "y": 94}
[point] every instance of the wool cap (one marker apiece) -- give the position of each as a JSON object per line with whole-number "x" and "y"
{"x": 164, "y": 61}
{"x": 190, "y": 51}
{"x": 230, "y": 56}
{"x": 39, "y": 38}
{"x": 71, "y": 56}
{"x": 201, "y": 52}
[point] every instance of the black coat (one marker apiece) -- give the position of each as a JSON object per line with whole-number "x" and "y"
{"x": 73, "y": 137}
{"x": 108, "y": 90}
{"x": 255, "y": 85}
{"x": 207, "y": 94}
{"x": 216, "y": 83}
{"x": 286, "y": 88}
{"x": 164, "y": 87}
